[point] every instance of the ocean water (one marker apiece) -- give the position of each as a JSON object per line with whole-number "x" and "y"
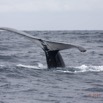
{"x": 24, "y": 77}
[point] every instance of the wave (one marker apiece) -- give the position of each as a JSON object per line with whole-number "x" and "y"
{"x": 39, "y": 66}
{"x": 77, "y": 69}
{"x": 84, "y": 68}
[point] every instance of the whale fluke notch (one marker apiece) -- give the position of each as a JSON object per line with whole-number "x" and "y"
{"x": 51, "y": 49}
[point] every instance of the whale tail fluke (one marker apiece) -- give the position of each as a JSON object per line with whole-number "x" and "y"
{"x": 51, "y": 49}
{"x": 42, "y": 43}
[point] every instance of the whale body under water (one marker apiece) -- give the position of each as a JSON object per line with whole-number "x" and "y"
{"x": 51, "y": 49}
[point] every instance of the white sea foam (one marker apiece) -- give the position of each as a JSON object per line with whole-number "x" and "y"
{"x": 77, "y": 69}
{"x": 82, "y": 68}
{"x": 1, "y": 65}
{"x": 85, "y": 68}
{"x": 39, "y": 66}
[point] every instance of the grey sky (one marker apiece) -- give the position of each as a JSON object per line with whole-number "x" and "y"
{"x": 52, "y": 14}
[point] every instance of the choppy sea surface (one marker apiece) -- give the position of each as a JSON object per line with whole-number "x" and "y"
{"x": 24, "y": 77}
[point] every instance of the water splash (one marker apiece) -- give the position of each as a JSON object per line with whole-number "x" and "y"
{"x": 91, "y": 68}
{"x": 39, "y": 66}
{"x": 83, "y": 68}
{"x": 77, "y": 69}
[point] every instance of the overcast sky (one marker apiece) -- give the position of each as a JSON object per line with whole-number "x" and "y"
{"x": 52, "y": 14}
